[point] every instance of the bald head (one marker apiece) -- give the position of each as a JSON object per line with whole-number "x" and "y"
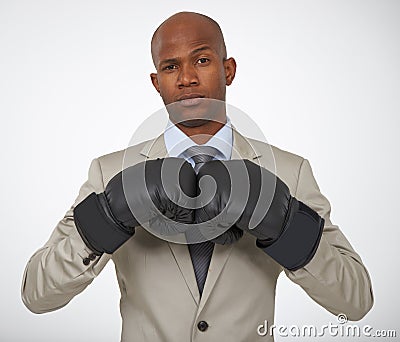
{"x": 189, "y": 54}
{"x": 183, "y": 22}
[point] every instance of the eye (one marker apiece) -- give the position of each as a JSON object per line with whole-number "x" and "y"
{"x": 170, "y": 67}
{"x": 202, "y": 60}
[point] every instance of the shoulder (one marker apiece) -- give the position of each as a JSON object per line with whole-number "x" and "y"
{"x": 281, "y": 157}
{"x": 112, "y": 163}
{"x": 285, "y": 164}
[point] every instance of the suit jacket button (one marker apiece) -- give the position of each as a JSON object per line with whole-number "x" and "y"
{"x": 202, "y": 325}
{"x": 92, "y": 256}
{"x": 86, "y": 261}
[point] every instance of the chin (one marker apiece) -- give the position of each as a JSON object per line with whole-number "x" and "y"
{"x": 190, "y": 117}
{"x": 196, "y": 113}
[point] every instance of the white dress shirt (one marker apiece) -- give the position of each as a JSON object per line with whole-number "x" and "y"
{"x": 178, "y": 142}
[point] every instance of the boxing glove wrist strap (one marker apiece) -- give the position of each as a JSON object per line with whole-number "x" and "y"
{"x": 97, "y": 227}
{"x": 299, "y": 239}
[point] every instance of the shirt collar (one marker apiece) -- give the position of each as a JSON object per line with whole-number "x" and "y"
{"x": 178, "y": 142}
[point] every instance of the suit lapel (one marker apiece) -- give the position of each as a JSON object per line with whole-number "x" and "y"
{"x": 242, "y": 149}
{"x": 182, "y": 258}
{"x": 155, "y": 148}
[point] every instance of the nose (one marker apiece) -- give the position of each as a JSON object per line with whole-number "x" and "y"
{"x": 187, "y": 76}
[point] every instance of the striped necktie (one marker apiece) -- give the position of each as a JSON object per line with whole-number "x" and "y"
{"x": 200, "y": 253}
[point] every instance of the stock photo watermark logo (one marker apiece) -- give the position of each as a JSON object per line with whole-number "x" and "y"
{"x": 341, "y": 328}
{"x": 150, "y": 135}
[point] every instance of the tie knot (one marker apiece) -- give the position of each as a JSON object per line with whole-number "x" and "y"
{"x": 201, "y": 154}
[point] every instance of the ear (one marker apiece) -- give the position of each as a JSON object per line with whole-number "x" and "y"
{"x": 230, "y": 70}
{"x": 154, "y": 80}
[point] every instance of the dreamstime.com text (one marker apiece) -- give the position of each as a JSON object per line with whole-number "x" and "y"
{"x": 340, "y": 329}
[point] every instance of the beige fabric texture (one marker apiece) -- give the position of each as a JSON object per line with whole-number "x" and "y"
{"x": 159, "y": 296}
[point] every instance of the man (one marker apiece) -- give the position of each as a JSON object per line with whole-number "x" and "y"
{"x": 164, "y": 295}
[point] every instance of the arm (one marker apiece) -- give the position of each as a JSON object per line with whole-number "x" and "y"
{"x": 64, "y": 266}
{"x": 295, "y": 231}
{"x": 335, "y": 277}
{"x": 99, "y": 222}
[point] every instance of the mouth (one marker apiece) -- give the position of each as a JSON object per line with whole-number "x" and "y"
{"x": 189, "y": 100}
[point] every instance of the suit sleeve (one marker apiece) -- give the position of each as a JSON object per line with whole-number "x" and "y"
{"x": 336, "y": 277}
{"x": 64, "y": 266}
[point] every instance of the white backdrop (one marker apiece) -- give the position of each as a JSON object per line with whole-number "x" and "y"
{"x": 321, "y": 78}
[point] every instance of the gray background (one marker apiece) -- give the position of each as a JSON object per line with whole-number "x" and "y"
{"x": 321, "y": 79}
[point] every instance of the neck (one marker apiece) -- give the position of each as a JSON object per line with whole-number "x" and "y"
{"x": 203, "y": 131}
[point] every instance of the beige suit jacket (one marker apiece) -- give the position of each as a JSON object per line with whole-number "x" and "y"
{"x": 159, "y": 296}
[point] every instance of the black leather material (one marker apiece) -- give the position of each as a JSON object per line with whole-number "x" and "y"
{"x": 207, "y": 212}
{"x": 137, "y": 195}
{"x": 240, "y": 205}
{"x": 287, "y": 229}
{"x": 228, "y": 237}
{"x": 275, "y": 211}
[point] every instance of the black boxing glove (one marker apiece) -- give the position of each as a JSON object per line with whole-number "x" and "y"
{"x": 152, "y": 191}
{"x": 253, "y": 199}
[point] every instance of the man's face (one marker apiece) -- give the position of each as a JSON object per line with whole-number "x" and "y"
{"x": 190, "y": 63}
